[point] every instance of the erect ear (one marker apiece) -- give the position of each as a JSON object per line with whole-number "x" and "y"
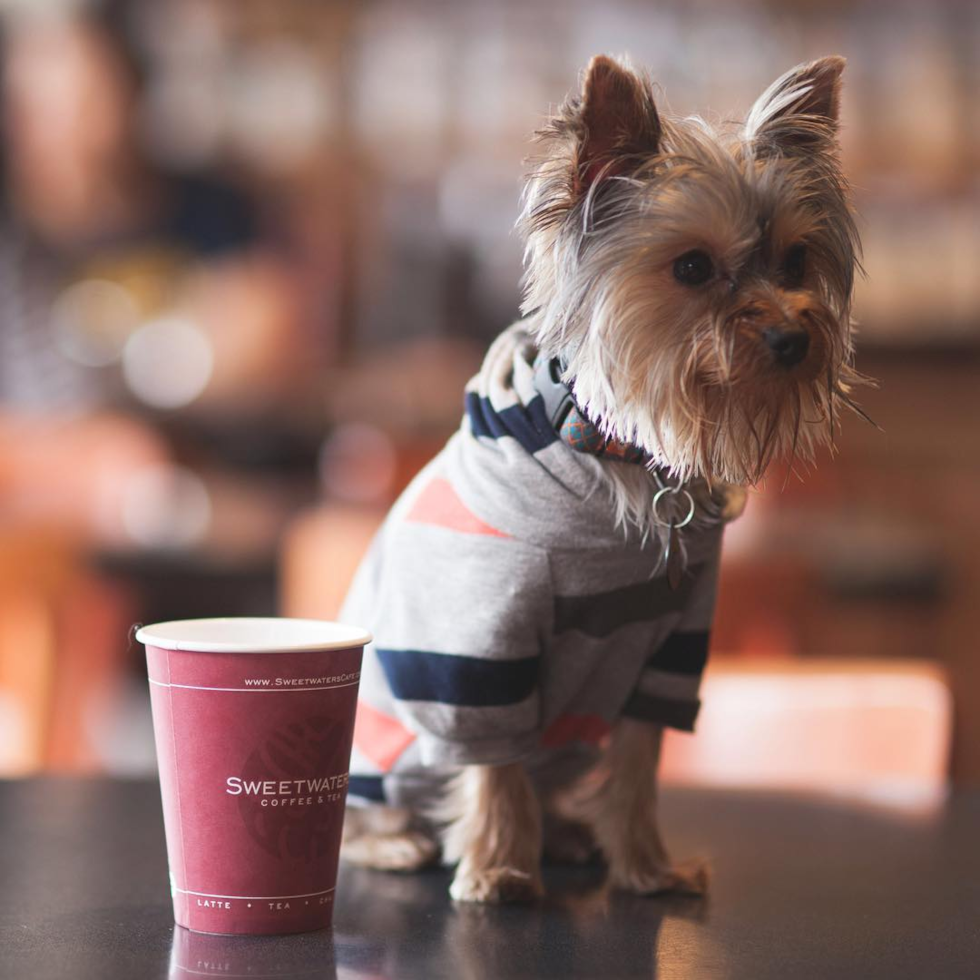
{"x": 619, "y": 119}
{"x": 799, "y": 110}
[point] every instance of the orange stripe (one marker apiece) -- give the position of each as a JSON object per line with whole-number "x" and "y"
{"x": 575, "y": 728}
{"x": 378, "y": 737}
{"x": 439, "y": 505}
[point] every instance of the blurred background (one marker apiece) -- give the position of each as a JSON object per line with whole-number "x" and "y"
{"x": 250, "y": 251}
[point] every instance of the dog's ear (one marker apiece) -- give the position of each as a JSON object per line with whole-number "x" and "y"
{"x": 619, "y": 122}
{"x": 798, "y": 113}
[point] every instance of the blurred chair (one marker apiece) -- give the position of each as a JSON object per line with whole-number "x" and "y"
{"x": 62, "y": 650}
{"x": 32, "y": 568}
{"x": 363, "y": 469}
{"x": 320, "y": 554}
{"x": 876, "y": 728}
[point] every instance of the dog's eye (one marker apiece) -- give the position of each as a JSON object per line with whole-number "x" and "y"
{"x": 694, "y": 268}
{"x": 794, "y": 265}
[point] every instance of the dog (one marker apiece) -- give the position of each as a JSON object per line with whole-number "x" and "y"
{"x": 541, "y": 595}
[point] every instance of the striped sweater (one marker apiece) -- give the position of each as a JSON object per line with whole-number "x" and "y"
{"x": 511, "y": 618}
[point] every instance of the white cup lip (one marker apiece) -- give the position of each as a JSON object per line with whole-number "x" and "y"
{"x": 252, "y": 634}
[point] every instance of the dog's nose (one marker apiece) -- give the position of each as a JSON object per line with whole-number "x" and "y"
{"x": 789, "y": 345}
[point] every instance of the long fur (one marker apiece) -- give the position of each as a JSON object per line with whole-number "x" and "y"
{"x": 616, "y": 194}
{"x": 496, "y": 835}
{"x": 621, "y": 807}
{"x": 676, "y": 370}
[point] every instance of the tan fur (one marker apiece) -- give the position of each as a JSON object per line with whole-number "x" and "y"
{"x": 567, "y": 840}
{"x": 497, "y": 836}
{"x": 384, "y": 838}
{"x": 621, "y": 805}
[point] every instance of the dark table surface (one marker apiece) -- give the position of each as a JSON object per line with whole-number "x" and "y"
{"x": 803, "y": 888}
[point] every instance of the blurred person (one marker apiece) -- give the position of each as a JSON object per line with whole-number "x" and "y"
{"x": 96, "y": 246}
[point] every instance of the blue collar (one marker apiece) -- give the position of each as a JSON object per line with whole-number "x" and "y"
{"x": 573, "y": 426}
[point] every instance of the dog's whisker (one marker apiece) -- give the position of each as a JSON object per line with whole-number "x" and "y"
{"x": 830, "y": 405}
{"x": 856, "y": 408}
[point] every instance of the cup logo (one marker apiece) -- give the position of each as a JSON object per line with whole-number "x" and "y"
{"x": 290, "y": 798}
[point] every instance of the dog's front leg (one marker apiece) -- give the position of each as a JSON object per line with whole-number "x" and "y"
{"x": 495, "y": 835}
{"x": 624, "y": 813}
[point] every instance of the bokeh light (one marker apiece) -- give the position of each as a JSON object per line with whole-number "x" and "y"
{"x": 167, "y": 362}
{"x": 166, "y": 507}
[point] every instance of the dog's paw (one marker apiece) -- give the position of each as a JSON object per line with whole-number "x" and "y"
{"x": 409, "y": 850}
{"x": 569, "y": 841}
{"x": 685, "y": 878}
{"x": 495, "y": 885}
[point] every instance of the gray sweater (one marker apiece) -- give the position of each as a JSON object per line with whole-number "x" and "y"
{"x": 512, "y": 619}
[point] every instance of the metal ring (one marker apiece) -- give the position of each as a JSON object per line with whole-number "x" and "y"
{"x": 690, "y": 507}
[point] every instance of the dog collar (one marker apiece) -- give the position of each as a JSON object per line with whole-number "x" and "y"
{"x": 572, "y": 424}
{"x": 576, "y": 430}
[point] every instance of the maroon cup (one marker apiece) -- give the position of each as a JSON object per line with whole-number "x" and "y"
{"x": 253, "y": 720}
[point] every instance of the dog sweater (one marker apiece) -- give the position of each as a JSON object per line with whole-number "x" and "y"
{"x": 512, "y": 618}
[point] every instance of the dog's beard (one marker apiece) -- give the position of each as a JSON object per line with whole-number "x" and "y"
{"x": 736, "y": 411}
{"x": 708, "y": 401}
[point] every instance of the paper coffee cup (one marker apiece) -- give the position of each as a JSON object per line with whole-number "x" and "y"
{"x": 253, "y": 721}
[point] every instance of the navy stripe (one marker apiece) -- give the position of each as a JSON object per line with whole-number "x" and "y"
{"x": 367, "y": 787}
{"x": 662, "y": 711}
{"x": 602, "y": 614}
{"x": 528, "y": 424}
{"x": 417, "y": 675}
{"x": 682, "y": 653}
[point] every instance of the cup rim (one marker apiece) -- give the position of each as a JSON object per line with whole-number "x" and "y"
{"x": 255, "y": 634}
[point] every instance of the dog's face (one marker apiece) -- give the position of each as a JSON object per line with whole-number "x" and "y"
{"x": 697, "y": 284}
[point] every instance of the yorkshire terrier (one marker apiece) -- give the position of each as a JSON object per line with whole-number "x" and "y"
{"x": 541, "y": 595}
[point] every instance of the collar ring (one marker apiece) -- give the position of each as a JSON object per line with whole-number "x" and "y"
{"x": 688, "y": 517}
